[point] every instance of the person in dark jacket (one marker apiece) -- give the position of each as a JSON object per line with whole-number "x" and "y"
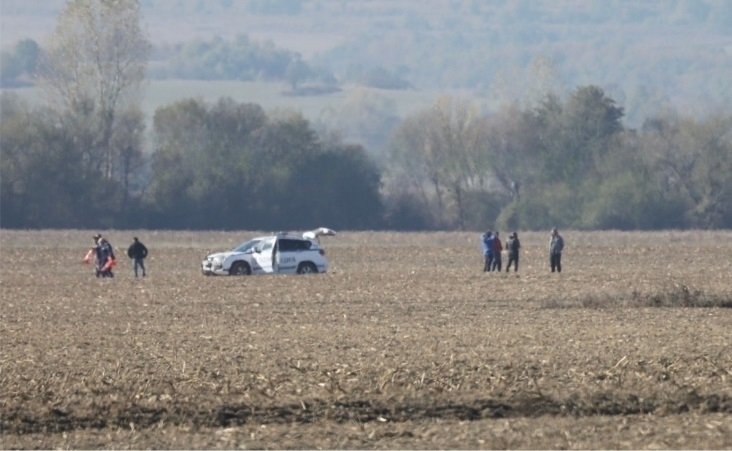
{"x": 138, "y": 252}
{"x": 497, "y": 249}
{"x": 104, "y": 256}
{"x": 556, "y": 245}
{"x": 512, "y": 246}
{"x": 486, "y": 241}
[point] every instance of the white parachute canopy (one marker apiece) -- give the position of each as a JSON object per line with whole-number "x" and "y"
{"x": 317, "y": 233}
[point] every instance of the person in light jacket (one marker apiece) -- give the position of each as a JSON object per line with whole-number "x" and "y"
{"x": 556, "y": 245}
{"x": 512, "y": 246}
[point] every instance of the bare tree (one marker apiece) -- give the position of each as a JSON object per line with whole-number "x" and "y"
{"x": 456, "y": 136}
{"x": 693, "y": 159}
{"x": 439, "y": 148}
{"x": 93, "y": 72}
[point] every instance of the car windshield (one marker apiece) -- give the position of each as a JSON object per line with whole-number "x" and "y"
{"x": 246, "y": 246}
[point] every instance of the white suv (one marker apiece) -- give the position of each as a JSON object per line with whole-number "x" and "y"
{"x": 281, "y": 253}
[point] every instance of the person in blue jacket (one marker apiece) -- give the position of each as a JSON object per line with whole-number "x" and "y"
{"x": 486, "y": 240}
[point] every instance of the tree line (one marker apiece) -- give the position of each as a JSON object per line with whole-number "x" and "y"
{"x": 565, "y": 162}
{"x": 85, "y": 158}
{"x": 225, "y": 166}
{"x": 229, "y": 165}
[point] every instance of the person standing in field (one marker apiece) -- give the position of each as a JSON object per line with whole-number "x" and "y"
{"x": 94, "y": 253}
{"x": 487, "y": 242}
{"x": 497, "y": 249}
{"x": 512, "y": 246}
{"x": 556, "y": 245}
{"x": 104, "y": 253}
{"x": 138, "y": 252}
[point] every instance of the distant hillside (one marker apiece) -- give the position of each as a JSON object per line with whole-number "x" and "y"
{"x": 649, "y": 56}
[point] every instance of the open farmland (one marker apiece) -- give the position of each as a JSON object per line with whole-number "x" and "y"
{"x": 406, "y": 343}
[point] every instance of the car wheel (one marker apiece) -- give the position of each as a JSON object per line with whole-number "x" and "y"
{"x": 240, "y": 269}
{"x": 307, "y": 268}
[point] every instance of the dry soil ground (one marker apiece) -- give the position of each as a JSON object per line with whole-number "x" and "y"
{"x": 405, "y": 343}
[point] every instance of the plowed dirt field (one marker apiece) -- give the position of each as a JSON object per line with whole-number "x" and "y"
{"x": 405, "y": 343}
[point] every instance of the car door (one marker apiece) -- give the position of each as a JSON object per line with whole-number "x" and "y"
{"x": 262, "y": 257}
{"x": 288, "y": 256}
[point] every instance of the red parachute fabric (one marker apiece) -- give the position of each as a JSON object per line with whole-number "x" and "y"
{"x": 88, "y": 256}
{"x": 111, "y": 263}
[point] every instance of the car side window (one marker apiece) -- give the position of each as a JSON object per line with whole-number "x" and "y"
{"x": 264, "y": 245}
{"x": 291, "y": 245}
{"x": 286, "y": 245}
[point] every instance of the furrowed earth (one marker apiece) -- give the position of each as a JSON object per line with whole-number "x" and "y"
{"x": 405, "y": 343}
